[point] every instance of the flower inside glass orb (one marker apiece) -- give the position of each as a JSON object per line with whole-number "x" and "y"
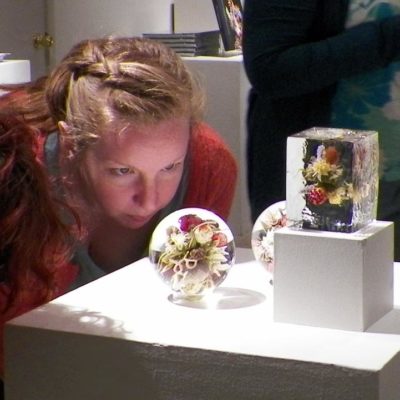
{"x": 262, "y": 238}
{"x": 192, "y": 249}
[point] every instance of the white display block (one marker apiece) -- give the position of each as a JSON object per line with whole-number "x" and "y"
{"x": 334, "y": 280}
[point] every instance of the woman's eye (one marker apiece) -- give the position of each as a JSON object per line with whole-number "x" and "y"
{"x": 121, "y": 171}
{"x": 172, "y": 167}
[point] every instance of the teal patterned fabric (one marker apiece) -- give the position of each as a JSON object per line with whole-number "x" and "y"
{"x": 372, "y": 101}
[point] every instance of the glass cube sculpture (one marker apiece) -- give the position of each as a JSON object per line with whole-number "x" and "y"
{"x": 332, "y": 179}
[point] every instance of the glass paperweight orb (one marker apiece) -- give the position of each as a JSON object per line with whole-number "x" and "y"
{"x": 192, "y": 250}
{"x": 262, "y": 237}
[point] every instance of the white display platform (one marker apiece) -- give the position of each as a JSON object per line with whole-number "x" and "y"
{"x": 334, "y": 280}
{"x": 121, "y": 338}
{"x": 15, "y": 71}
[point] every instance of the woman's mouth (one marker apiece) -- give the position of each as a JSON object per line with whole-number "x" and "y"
{"x": 139, "y": 219}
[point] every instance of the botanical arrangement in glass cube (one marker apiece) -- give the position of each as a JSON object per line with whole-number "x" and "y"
{"x": 192, "y": 250}
{"x": 262, "y": 237}
{"x": 332, "y": 179}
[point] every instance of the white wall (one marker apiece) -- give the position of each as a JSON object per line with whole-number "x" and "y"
{"x": 194, "y": 16}
{"x": 19, "y": 21}
{"x": 73, "y": 20}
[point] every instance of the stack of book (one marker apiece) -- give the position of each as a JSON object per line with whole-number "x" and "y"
{"x": 190, "y": 44}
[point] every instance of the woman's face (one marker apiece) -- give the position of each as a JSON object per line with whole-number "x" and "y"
{"x": 133, "y": 173}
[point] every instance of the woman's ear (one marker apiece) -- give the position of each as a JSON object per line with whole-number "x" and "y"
{"x": 63, "y": 128}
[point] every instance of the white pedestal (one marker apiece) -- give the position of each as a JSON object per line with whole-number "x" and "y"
{"x": 121, "y": 338}
{"x": 15, "y": 71}
{"x": 334, "y": 280}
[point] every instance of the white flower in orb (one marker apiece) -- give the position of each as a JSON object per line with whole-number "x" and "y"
{"x": 262, "y": 240}
{"x": 178, "y": 240}
{"x": 204, "y": 233}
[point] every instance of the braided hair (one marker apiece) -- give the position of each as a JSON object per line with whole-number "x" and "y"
{"x": 120, "y": 79}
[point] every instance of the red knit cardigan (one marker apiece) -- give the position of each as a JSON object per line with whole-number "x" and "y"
{"x": 212, "y": 173}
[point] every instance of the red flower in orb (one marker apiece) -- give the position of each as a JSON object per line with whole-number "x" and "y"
{"x": 317, "y": 196}
{"x": 188, "y": 222}
{"x": 220, "y": 239}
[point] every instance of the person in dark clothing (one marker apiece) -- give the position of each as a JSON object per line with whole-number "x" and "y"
{"x": 307, "y": 63}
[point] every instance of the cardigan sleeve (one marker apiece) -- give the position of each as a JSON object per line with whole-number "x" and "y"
{"x": 284, "y": 58}
{"x": 212, "y": 173}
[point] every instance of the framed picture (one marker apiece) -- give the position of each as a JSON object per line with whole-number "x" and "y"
{"x": 229, "y": 15}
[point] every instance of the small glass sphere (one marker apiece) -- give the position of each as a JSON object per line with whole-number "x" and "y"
{"x": 262, "y": 237}
{"x": 192, "y": 250}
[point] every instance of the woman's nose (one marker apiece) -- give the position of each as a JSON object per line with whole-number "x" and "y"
{"x": 146, "y": 195}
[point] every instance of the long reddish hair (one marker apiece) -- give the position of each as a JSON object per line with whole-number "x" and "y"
{"x": 27, "y": 103}
{"x": 34, "y": 241}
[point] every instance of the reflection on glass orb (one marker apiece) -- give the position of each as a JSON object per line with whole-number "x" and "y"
{"x": 192, "y": 250}
{"x": 262, "y": 237}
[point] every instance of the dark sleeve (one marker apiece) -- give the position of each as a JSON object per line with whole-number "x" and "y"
{"x": 282, "y": 59}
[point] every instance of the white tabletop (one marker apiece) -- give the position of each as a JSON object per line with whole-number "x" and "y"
{"x": 94, "y": 342}
{"x": 238, "y": 319}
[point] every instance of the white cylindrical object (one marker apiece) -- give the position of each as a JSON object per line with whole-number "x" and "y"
{"x": 15, "y": 71}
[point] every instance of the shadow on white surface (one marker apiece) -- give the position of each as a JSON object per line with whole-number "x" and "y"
{"x": 389, "y": 323}
{"x": 73, "y": 319}
{"x": 223, "y": 298}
